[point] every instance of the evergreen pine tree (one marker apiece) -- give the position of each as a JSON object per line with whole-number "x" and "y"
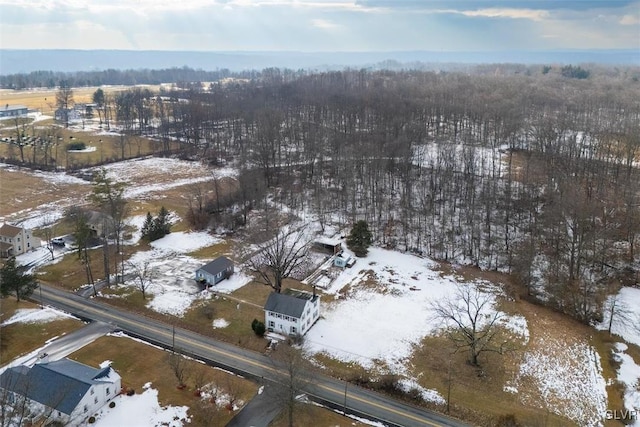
{"x": 14, "y": 279}
{"x": 359, "y": 239}
{"x": 147, "y": 227}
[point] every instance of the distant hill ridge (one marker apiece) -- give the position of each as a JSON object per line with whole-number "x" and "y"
{"x": 13, "y": 61}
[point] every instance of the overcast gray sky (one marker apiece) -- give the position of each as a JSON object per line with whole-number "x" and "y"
{"x": 320, "y": 25}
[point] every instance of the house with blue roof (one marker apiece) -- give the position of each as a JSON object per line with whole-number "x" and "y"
{"x": 63, "y": 390}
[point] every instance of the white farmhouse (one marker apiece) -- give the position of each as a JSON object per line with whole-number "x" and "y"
{"x": 64, "y": 390}
{"x": 15, "y": 241}
{"x": 292, "y": 312}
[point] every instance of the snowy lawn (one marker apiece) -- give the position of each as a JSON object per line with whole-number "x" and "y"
{"x": 173, "y": 287}
{"x": 378, "y": 310}
{"x": 141, "y": 410}
{"x": 381, "y": 307}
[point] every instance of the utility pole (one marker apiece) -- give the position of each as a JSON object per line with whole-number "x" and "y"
{"x": 344, "y": 407}
{"x": 173, "y": 339}
{"x": 449, "y": 386}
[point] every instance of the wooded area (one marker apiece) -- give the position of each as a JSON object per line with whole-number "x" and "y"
{"x": 535, "y": 174}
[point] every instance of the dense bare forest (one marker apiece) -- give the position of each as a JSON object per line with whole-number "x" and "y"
{"x": 534, "y": 174}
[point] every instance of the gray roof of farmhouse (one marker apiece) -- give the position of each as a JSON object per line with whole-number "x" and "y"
{"x": 217, "y": 265}
{"x": 286, "y": 304}
{"x": 59, "y": 385}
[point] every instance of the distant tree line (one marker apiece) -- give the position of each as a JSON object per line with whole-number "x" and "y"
{"x": 52, "y": 79}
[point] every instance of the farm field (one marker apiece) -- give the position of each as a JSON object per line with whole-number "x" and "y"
{"x": 44, "y": 99}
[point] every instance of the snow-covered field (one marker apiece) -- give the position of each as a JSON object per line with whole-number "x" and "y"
{"x": 378, "y": 310}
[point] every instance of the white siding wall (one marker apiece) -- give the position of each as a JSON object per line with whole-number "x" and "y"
{"x": 94, "y": 401}
{"x": 282, "y": 325}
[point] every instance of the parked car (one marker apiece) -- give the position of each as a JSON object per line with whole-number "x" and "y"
{"x": 59, "y": 241}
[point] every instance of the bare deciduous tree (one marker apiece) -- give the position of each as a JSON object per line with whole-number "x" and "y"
{"x": 279, "y": 257}
{"x": 143, "y": 276}
{"x": 471, "y": 322}
{"x": 615, "y": 310}
{"x": 178, "y": 365}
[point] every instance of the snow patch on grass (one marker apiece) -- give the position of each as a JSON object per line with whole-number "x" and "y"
{"x": 629, "y": 375}
{"x": 567, "y": 378}
{"x": 141, "y": 410}
{"x": 220, "y": 323}
{"x": 36, "y": 315}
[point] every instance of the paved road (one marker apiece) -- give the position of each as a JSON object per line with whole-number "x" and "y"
{"x": 326, "y": 390}
{"x": 259, "y": 412}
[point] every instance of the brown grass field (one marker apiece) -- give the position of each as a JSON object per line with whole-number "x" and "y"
{"x": 45, "y": 99}
{"x": 18, "y": 339}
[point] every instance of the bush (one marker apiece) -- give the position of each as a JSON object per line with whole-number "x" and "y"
{"x": 112, "y": 404}
{"x": 507, "y": 420}
{"x": 208, "y": 311}
{"x": 92, "y": 420}
{"x": 258, "y": 327}
{"x": 76, "y": 146}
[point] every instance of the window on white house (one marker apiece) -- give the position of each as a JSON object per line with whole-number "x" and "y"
{"x": 28, "y": 245}
{"x": 18, "y": 239}
{"x": 293, "y": 330}
{"x": 85, "y": 408}
{"x": 95, "y": 399}
{"x": 91, "y": 392}
{"x": 108, "y": 391}
{"x": 272, "y": 324}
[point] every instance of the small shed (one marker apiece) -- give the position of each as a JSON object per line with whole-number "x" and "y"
{"x": 217, "y": 270}
{"x": 325, "y": 244}
{"x": 343, "y": 260}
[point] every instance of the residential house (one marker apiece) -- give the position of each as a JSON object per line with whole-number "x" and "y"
{"x": 217, "y": 270}
{"x": 64, "y": 390}
{"x": 291, "y": 312}
{"x": 65, "y": 115}
{"x": 16, "y": 240}
{"x": 100, "y": 224}
{"x": 13, "y": 111}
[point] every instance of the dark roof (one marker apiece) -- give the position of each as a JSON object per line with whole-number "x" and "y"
{"x": 9, "y": 230}
{"x": 60, "y": 385}
{"x": 217, "y": 265}
{"x": 286, "y": 304}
